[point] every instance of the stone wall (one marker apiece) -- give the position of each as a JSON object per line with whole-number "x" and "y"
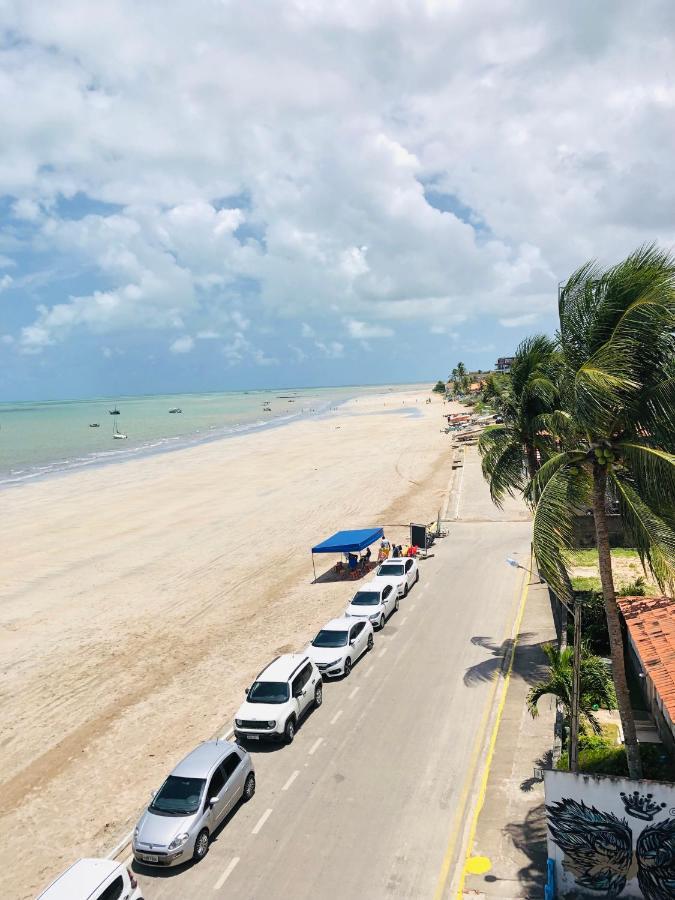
{"x": 584, "y": 531}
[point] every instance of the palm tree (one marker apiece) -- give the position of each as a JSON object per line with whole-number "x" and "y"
{"x": 616, "y": 431}
{"x": 526, "y": 406}
{"x": 596, "y": 684}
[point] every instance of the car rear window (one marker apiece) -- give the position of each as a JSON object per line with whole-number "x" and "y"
{"x": 390, "y": 569}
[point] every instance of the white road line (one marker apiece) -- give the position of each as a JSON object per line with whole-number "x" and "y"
{"x": 369, "y": 671}
{"x": 336, "y": 717}
{"x": 382, "y": 652}
{"x": 291, "y": 780}
{"x": 227, "y": 736}
{"x": 261, "y": 821}
{"x": 353, "y": 693}
{"x": 315, "y": 746}
{"x": 404, "y": 620}
{"x": 226, "y": 874}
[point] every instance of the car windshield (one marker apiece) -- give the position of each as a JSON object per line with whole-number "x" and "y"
{"x": 268, "y": 692}
{"x": 178, "y": 796}
{"x": 366, "y": 598}
{"x": 330, "y": 639}
{"x": 391, "y": 569}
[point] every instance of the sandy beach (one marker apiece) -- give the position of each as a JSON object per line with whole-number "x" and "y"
{"x": 139, "y": 599}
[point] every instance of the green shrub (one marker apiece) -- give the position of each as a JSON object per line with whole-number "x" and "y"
{"x": 605, "y": 758}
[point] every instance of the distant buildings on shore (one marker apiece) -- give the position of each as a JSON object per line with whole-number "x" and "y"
{"x": 504, "y": 363}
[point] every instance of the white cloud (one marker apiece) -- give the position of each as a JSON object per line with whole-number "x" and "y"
{"x": 6, "y": 339}
{"x": 363, "y": 331}
{"x": 6, "y": 282}
{"x": 307, "y": 331}
{"x": 518, "y": 321}
{"x": 208, "y": 334}
{"x": 182, "y": 344}
{"x": 313, "y": 207}
{"x": 331, "y": 349}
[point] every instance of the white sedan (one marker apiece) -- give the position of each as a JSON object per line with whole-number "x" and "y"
{"x": 339, "y": 644}
{"x": 375, "y": 602}
{"x": 401, "y": 570}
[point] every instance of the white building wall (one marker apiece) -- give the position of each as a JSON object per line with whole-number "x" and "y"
{"x": 611, "y": 837}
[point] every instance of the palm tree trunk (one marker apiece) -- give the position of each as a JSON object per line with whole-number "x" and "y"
{"x": 532, "y": 466}
{"x": 614, "y": 623}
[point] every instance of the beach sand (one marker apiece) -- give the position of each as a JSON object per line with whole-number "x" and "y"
{"x": 139, "y": 599}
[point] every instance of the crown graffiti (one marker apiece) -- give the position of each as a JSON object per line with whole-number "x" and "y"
{"x": 641, "y": 806}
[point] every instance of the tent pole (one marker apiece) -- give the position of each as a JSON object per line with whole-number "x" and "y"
{"x": 314, "y": 569}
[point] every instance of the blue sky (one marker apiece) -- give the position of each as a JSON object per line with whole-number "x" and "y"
{"x": 304, "y": 193}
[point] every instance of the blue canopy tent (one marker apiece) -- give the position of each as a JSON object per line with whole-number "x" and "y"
{"x": 347, "y": 542}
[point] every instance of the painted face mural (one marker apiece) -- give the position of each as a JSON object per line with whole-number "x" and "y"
{"x": 598, "y": 846}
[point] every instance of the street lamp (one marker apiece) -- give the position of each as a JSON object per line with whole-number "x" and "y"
{"x": 516, "y": 565}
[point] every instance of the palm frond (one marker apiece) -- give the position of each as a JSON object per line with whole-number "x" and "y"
{"x": 652, "y": 471}
{"x": 536, "y": 486}
{"x": 502, "y": 462}
{"x": 654, "y": 538}
{"x": 565, "y": 492}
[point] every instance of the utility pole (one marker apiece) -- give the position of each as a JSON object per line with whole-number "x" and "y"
{"x": 576, "y": 689}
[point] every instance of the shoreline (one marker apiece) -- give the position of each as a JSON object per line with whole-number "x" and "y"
{"x": 62, "y": 467}
{"x": 139, "y": 600}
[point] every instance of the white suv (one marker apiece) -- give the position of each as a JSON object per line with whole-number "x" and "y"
{"x": 94, "y": 879}
{"x": 276, "y": 701}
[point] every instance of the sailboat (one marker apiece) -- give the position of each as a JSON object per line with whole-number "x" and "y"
{"x": 118, "y": 435}
{"x": 114, "y": 411}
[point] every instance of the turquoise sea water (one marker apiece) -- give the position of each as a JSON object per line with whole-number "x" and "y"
{"x": 38, "y": 439}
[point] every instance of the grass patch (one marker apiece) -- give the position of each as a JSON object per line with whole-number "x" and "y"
{"x": 585, "y": 583}
{"x": 600, "y": 756}
{"x": 590, "y": 557}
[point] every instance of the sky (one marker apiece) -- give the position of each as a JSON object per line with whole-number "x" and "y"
{"x": 218, "y": 195}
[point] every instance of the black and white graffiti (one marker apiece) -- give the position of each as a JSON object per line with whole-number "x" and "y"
{"x": 598, "y": 846}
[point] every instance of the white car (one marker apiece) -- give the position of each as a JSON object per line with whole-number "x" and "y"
{"x": 94, "y": 879}
{"x": 280, "y": 696}
{"x": 339, "y": 644}
{"x": 402, "y": 570}
{"x": 375, "y": 602}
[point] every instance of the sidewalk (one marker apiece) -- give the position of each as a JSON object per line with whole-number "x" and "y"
{"x": 511, "y": 831}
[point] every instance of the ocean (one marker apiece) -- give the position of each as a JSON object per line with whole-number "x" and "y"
{"x": 38, "y": 439}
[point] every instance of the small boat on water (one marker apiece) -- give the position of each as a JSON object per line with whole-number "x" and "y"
{"x": 117, "y": 434}
{"x": 176, "y": 410}
{"x": 94, "y": 425}
{"x": 114, "y": 411}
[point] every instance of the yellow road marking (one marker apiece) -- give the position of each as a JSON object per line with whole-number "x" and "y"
{"x": 473, "y": 763}
{"x": 491, "y": 749}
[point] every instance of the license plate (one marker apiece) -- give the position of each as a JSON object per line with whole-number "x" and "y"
{"x": 253, "y": 737}
{"x": 150, "y": 857}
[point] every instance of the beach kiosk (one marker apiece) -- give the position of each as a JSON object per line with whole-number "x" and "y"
{"x": 347, "y": 542}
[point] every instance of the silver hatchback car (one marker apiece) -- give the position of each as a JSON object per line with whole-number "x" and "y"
{"x": 191, "y": 804}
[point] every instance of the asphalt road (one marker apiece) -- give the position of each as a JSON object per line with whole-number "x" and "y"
{"x": 370, "y": 799}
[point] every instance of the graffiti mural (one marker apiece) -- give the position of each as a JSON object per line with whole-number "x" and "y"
{"x": 611, "y": 841}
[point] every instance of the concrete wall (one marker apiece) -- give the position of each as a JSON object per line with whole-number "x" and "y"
{"x": 584, "y": 531}
{"x": 610, "y": 836}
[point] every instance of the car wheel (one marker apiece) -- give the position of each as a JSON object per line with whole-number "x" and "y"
{"x": 249, "y": 787}
{"x": 201, "y": 845}
{"x": 348, "y": 667}
{"x": 381, "y": 621}
{"x": 289, "y": 731}
{"x": 417, "y": 576}
{"x": 318, "y": 695}
{"x": 406, "y": 589}
{"x": 397, "y": 604}
{"x": 370, "y": 642}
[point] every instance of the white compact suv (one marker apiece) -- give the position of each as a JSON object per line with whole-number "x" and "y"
{"x": 339, "y": 644}
{"x": 94, "y": 879}
{"x": 280, "y": 696}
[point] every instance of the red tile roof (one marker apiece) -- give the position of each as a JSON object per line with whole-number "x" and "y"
{"x": 651, "y": 623}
